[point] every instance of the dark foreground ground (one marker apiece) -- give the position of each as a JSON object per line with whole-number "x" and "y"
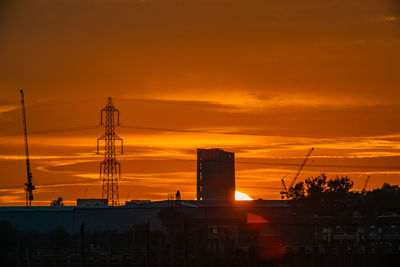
{"x": 276, "y": 256}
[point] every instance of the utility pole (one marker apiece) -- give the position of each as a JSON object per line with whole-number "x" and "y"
{"x": 29, "y": 187}
{"x": 110, "y": 168}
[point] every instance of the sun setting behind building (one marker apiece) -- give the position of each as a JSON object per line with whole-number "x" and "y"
{"x": 241, "y": 196}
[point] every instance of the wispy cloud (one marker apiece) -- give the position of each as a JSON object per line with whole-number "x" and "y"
{"x": 8, "y": 108}
{"x": 391, "y": 18}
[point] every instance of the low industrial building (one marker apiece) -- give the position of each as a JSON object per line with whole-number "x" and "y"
{"x": 200, "y": 232}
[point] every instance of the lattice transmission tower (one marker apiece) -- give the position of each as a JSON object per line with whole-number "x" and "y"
{"x": 110, "y": 168}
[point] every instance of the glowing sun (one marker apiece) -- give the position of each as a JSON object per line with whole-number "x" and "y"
{"x": 241, "y": 196}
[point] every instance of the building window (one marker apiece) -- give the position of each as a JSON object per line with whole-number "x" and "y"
{"x": 201, "y": 188}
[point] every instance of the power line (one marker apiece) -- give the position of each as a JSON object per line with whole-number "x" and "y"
{"x": 322, "y": 165}
{"x": 92, "y": 127}
{"x": 294, "y": 164}
{"x": 252, "y": 163}
{"x": 191, "y": 131}
{"x": 62, "y": 130}
{"x": 308, "y": 165}
{"x": 72, "y": 129}
{"x": 57, "y": 102}
{"x": 11, "y": 162}
{"x": 85, "y": 128}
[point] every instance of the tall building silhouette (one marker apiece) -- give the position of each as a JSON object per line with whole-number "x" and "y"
{"x": 215, "y": 174}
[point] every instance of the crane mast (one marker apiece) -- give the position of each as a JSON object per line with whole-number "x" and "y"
{"x": 29, "y": 187}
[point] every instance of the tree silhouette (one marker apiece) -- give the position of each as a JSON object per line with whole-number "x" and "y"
{"x": 380, "y": 201}
{"x": 57, "y": 203}
{"x": 335, "y": 197}
{"x": 320, "y": 195}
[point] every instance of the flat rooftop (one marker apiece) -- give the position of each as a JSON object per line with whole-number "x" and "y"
{"x": 163, "y": 204}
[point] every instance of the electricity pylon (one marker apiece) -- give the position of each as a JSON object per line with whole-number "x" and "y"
{"x": 110, "y": 168}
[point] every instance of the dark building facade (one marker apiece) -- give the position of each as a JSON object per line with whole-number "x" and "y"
{"x": 215, "y": 174}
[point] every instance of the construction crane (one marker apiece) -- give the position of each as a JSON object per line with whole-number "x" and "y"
{"x": 366, "y": 183}
{"x": 29, "y": 187}
{"x": 285, "y": 192}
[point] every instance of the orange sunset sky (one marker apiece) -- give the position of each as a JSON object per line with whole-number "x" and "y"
{"x": 297, "y": 74}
